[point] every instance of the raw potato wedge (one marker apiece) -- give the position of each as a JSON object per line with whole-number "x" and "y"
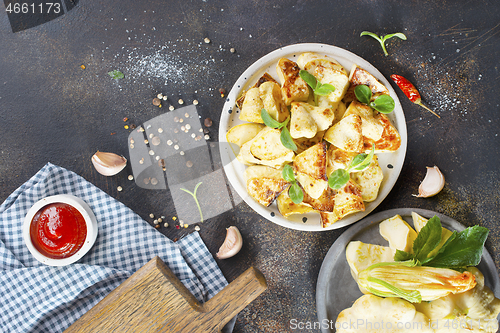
{"x": 346, "y": 134}
{"x": 264, "y": 184}
{"x": 251, "y": 107}
{"x": 241, "y": 134}
{"x": 293, "y": 88}
{"x": 398, "y": 233}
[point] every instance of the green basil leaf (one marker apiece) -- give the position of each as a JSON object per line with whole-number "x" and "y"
{"x": 403, "y": 256}
{"x": 116, "y": 74}
{"x": 428, "y": 239}
{"x": 309, "y": 78}
{"x": 397, "y": 34}
{"x": 362, "y": 161}
{"x": 268, "y": 120}
{"x": 363, "y": 93}
{"x": 338, "y": 179}
{"x": 464, "y": 250}
{"x": 288, "y": 174}
{"x": 324, "y": 89}
{"x": 383, "y": 104}
{"x": 451, "y": 238}
{"x": 286, "y": 139}
{"x": 295, "y": 193}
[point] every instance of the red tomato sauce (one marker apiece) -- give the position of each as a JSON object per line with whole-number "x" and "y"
{"x": 58, "y": 230}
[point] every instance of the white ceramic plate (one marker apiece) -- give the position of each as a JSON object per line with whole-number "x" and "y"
{"x": 391, "y": 163}
{"x": 336, "y": 289}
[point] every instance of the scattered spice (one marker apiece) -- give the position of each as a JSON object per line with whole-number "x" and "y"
{"x": 222, "y": 92}
{"x": 195, "y": 102}
{"x": 189, "y": 164}
{"x": 155, "y": 221}
{"x": 152, "y": 215}
{"x": 232, "y": 50}
{"x": 174, "y": 218}
{"x": 186, "y": 225}
{"x": 171, "y": 108}
{"x": 165, "y": 225}
{"x": 156, "y": 102}
{"x": 130, "y": 177}
{"x": 119, "y": 188}
{"x": 155, "y": 141}
{"x": 82, "y": 66}
{"x": 165, "y": 98}
{"x": 126, "y": 126}
{"x": 157, "y": 226}
{"x": 160, "y": 96}
{"x": 206, "y": 40}
{"x": 208, "y": 122}
{"x": 177, "y": 227}
{"x": 197, "y": 228}
{"x": 154, "y": 181}
{"x": 125, "y": 118}
{"x": 180, "y": 101}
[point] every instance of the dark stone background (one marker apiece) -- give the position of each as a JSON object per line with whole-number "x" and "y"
{"x": 52, "y": 110}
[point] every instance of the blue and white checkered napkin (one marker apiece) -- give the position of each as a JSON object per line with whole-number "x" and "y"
{"x": 39, "y": 298}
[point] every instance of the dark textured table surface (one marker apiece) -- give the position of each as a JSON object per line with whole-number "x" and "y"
{"x": 54, "y": 110}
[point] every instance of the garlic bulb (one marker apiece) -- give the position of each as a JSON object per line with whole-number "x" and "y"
{"x": 432, "y": 184}
{"x": 108, "y": 164}
{"x": 232, "y": 244}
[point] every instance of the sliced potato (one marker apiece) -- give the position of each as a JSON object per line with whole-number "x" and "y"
{"x": 371, "y": 125}
{"x": 359, "y": 76}
{"x": 346, "y": 134}
{"x": 270, "y": 94}
{"x": 312, "y": 186}
{"x": 264, "y": 184}
{"x": 287, "y": 207}
{"x": 264, "y": 78}
{"x": 302, "y": 124}
{"x": 338, "y": 159}
{"x": 293, "y": 88}
{"x": 360, "y": 256}
{"x": 347, "y": 201}
{"x": 268, "y": 149}
{"x": 243, "y": 133}
{"x": 325, "y": 203}
{"x": 369, "y": 181}
{"x": 305, "y": 143}
{"x": 312, "y": 161}
{"x": 339, "y": 112}
{"x": 398, "y": 233}
{"x": 252, "y": 105}
{"x": 322, "y": 116}
{"x": 390, "y": 140}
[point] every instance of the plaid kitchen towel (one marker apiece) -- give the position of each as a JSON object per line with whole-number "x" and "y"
{"x": 39, "y": 298}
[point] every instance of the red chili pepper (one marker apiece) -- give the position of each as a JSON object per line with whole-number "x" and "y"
{"x": 410, "y": 91}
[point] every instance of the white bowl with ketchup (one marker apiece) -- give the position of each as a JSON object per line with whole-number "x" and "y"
{"x": 60, "y": 229}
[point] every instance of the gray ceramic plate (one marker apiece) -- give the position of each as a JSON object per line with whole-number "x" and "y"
{"x": 336, "y": 289}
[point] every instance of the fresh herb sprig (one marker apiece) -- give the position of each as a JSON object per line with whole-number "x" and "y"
{"x": 318, "y": 88}
{"x": 285, "y": 137}
{"x": 294, "y": 191}
{"x": 193, "y": 194}
{"x": 360, "y": 162}
{"x": 461, "y": 250}
{"x": 116, "y": 74}
{"x": 382, "y": 39}
{"x": 383, "y": 103}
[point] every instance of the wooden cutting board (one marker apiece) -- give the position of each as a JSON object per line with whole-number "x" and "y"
{"x": 154, "y": 300}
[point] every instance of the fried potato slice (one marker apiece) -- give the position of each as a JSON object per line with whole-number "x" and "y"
{"x": 324, "y": 203}
{"x": 347, "y": 201}
{"x": 369, "y": 181}
{"x": 312, "y": 161}
{"x": 359, "y": 76}
{"x": 240, "y": 134}
{"x": 305, "y": 143}
{"x": 312, "y": 186}
{"x": 251, "y": 107}
{"x": 264, "y": 183}
{"x": 266, "y": 77}
{"x": 293, "y": 88}
{"x": 265, "y": 149}
{"x": 371, "y": 125}
{"x": 322, "y": 116}
{"x": 270, "y": 94}
{"x": 346, "y": 134}
{"x": 390, "y": 140}
{"x": 302, "y": 124}
{"x": 287, "y": 207}
{"x": 338, "y": 159}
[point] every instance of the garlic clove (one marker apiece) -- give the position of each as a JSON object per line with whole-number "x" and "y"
{"x": 232, "y": 244}
{"x": 108, "y": 164}
{"x": 432, "y": 184}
